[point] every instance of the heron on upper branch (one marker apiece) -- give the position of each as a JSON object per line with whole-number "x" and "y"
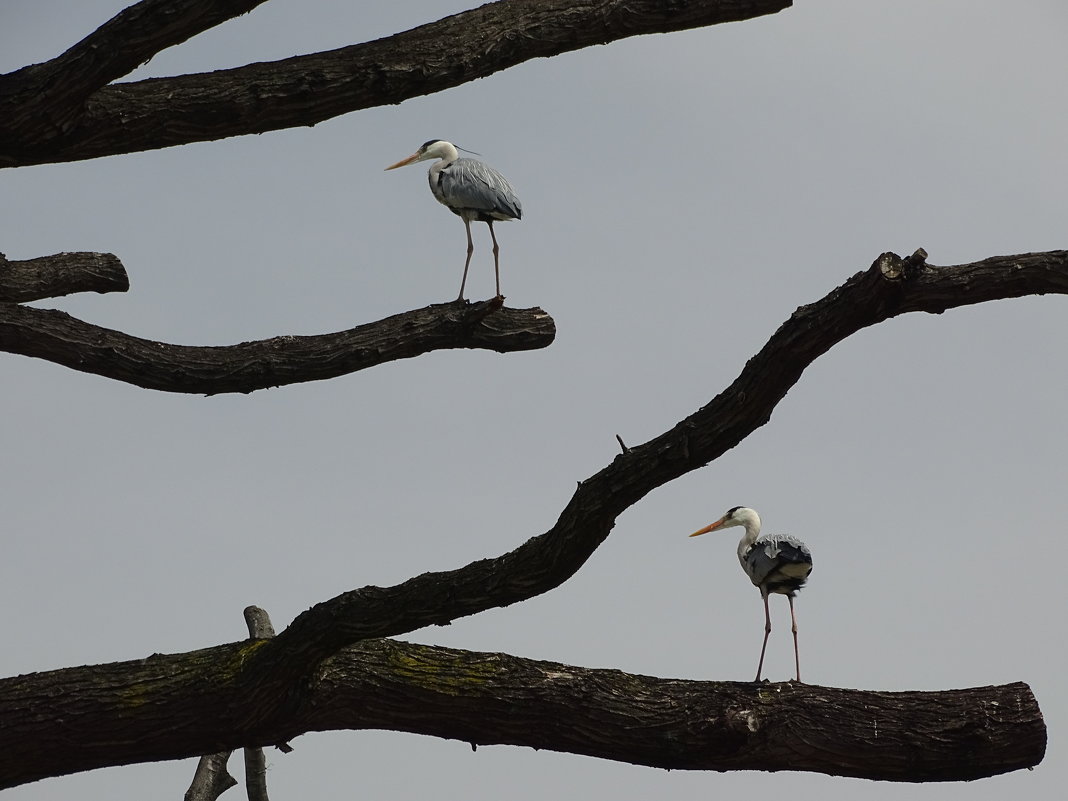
{"x": 775, "y": 563}
{"x": 472, "y": 190}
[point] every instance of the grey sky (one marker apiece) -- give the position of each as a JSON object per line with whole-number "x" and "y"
{"x": 682, "y": 195}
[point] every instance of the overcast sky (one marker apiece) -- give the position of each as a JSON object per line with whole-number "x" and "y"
{"x": 682, "y": 195}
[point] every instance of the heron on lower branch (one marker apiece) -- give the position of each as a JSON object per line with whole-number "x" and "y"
{"x": 775, "y": 563}
{"x": 472, "y": 190}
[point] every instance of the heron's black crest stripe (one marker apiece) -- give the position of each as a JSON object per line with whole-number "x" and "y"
{"x": 428, "y": 143}
{"x": 733, "y": 509}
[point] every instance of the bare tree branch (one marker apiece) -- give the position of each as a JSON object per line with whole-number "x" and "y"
{"x": 258, "y": 692}
{"x": 65, "y": 340}
{"x": 60, "y": 274}
{"x": 168, "y": 706}
{"x": 547, "y": 560}
{"x": 259, "y": 627}
{"x": 51, "y": 97}
{"x": 211, "y": 779}
{"x": 255, "y": 774}
{"x": 304, "y": 90}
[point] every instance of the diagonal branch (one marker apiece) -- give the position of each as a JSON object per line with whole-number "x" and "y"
{"x": 171, "y": 706}
{"x": 266, "y": 691}
{"x": 304, "y": 90}
{"x": 546, "y": 561}
{"x": 60, "y": 274}
{"x": 65, "y": 340}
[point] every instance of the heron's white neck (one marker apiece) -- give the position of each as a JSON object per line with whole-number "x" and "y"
{"x": 751, "y": 521}
{"x": 447, "y": 152}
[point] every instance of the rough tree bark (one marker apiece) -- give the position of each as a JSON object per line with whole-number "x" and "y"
{"x": 212, "y": 778}
{"x": 264, "y": 691}
{"x": 248, "y": 366}
{"x": 330, "y": 668}
{"x": 165, "y": 706}
{"x": 60, "y": 274}
{"x": 63, "y": 111}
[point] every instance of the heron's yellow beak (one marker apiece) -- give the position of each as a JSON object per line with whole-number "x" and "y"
{"x": 402, "y": 162}
{"x": 708, "y": 528}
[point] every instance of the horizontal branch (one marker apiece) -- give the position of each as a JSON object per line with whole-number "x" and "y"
{"x": 60, "y": 338}
{"x": 304, "y": 90}
{"x": 60, "y": 274}
{"x": 488, "y": 699}
{"x": 547, "y": 560}
{"x": 174, "y": 706}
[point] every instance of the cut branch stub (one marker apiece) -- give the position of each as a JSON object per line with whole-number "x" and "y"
{"x": 60, "y": 274}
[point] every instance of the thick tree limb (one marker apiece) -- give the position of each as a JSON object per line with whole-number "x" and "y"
{"x": 60, "y": 274}
{"x": 50, "y": 98}
{"x": 131, "y": 117}
{"x": 65, "y": 340}
{"x": 168, "y": 707}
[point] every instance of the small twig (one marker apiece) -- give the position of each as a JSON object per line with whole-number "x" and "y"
{"x": 622, "y": 446}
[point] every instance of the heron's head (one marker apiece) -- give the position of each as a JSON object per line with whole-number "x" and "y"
{"x": 737, "y": 516}
{"x": 434, "y": 149}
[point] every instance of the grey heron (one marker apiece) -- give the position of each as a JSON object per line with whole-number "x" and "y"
{"x": 472, "y": 190}
{"x": 775, "y": 563}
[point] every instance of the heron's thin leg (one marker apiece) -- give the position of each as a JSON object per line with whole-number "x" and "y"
{"x": 767, "y": 633}
{"x": 496, "y": 263}
{"x": 470, "y": 250}
{"x": 793, "y": 619}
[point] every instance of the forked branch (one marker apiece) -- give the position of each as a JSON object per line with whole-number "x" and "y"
{"x": 68, "y": 124}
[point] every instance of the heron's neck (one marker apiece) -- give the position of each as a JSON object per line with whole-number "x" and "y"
{"x": 449, "y": 154}
{"x": 752, "y": 531}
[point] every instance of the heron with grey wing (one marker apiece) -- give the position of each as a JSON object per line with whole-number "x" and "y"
{"x": 774, "y": 563}
{"x": 470, "y": 189}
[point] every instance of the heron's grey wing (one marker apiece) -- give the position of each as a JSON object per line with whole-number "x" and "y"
{"x": 778, "y": 560}
{"x": 471, "y": 184}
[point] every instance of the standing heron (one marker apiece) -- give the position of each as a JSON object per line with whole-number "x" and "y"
{"x": 471, "y": 189}
{"x": 774, "y": 563}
